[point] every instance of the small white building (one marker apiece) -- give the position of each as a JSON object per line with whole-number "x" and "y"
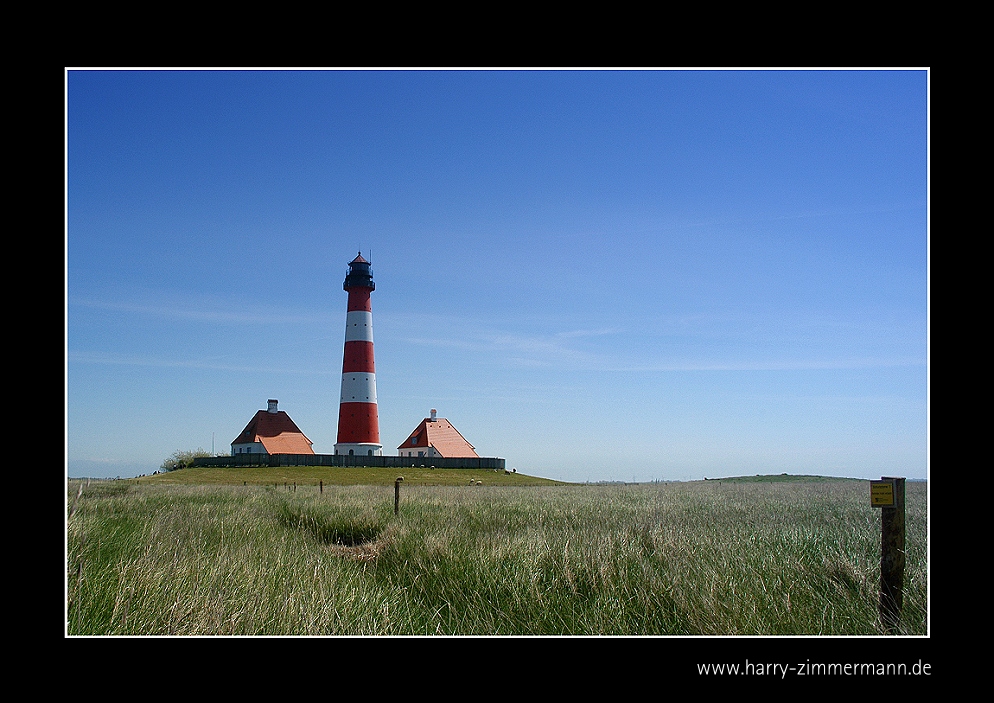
{"x": 271, "y": 431}
{"x": 436, "y": 437}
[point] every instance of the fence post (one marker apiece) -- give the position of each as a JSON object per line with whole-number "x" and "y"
{"x": 888, "y": 495}
{"x": 396, "y": 495}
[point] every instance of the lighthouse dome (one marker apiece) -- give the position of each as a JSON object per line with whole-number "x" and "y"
{"x": 360, "y": 274}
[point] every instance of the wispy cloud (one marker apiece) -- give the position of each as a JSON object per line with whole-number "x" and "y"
{"x": 212, "y": 311}
{"x": 687, "y": 344}
{"x": 514, "y": 348}
{"x": 213, "y": 364}
{"x": 767, "y": 365}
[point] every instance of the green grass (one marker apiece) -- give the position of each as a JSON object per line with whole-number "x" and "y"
{"x": 340, "y": 476}
{"x": 698, "y": 558}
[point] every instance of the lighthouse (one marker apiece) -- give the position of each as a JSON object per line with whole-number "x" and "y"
{"x": 358, "y": 421}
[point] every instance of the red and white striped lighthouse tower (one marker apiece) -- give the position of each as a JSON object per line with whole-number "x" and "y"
{"x": 358, "y": 421}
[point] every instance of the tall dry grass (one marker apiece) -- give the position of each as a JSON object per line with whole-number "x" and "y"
{"x": 712, "y": 558}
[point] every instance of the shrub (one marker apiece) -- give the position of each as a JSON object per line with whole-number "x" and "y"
{"x": 181, "y": 459}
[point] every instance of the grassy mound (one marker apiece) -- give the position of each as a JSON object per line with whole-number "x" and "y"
{"x": 341, "y": 476}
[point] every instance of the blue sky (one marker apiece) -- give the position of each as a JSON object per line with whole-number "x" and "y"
{"x": 595, "y": 274}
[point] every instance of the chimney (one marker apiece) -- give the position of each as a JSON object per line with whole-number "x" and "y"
{"x": 272, "y": 406}
{"x": 433, "y": 411}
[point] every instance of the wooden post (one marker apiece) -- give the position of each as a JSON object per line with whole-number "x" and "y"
{"x": 321, "y": 486}
{"x": 396, "y": 495}
{"x": 892, "y": 549}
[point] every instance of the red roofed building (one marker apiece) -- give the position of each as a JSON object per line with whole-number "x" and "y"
{"x": 436, "y": 436}
{"x": 271, "y": 431}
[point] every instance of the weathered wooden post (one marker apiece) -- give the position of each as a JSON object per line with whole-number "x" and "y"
{"x": 888, "y": 495}
{"x": 396, "y": 495}
{"x": 321, "y": 486}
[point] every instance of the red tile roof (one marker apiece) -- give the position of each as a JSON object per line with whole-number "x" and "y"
{"x": 276, "y": 432}
{"x": 441, "y": 435}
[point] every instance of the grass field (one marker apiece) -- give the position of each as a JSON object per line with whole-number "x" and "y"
{"x": 280, "y": 555}
{"x": 340, "y": 476}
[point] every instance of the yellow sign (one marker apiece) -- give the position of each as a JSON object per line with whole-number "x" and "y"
{"x": 881, "y": 494}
